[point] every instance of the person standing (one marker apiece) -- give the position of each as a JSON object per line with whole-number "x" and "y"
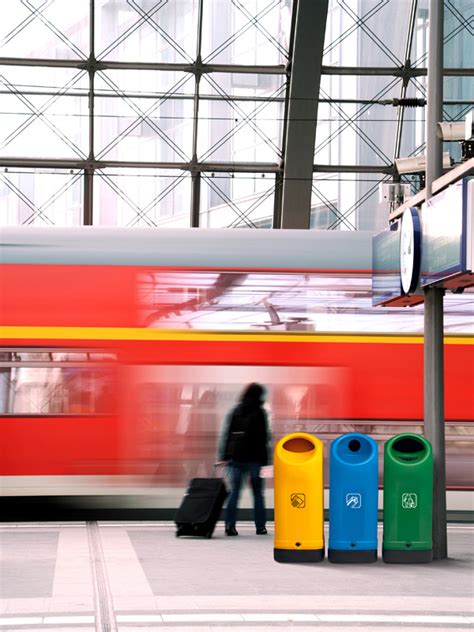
{"x": 244, "y": 446}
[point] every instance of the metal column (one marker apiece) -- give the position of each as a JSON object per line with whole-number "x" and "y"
{"x": 433, "y": 315}
{"x": 302, "y": 112}
{"x": 89, "y": 170}
{"x": 195, "y": 175}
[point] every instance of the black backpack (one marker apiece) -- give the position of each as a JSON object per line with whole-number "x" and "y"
{"x": 238, "y": 442}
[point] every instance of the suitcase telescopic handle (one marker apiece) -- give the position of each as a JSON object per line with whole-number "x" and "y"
{"x": 218, "y": 469}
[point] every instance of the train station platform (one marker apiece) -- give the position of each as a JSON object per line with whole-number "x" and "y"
{"x": 130, "y": 576}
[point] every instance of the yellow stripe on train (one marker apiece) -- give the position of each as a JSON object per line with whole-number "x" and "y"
{"x": 138, "y": 333}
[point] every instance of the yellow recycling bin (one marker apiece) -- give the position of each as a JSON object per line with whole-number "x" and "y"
{"x": 299, "y": 500}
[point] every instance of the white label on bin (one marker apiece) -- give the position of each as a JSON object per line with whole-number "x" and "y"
{"x": 353, "y": 500}
{"x": 409, "y": 500}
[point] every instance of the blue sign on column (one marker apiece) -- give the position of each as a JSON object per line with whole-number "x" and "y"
{"x": 353, "y": 499}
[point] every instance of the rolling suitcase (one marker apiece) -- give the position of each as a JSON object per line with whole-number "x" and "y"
{"x": 201, "y": 507}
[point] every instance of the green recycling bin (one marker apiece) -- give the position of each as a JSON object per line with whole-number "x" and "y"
{"x": 408, "y": 500}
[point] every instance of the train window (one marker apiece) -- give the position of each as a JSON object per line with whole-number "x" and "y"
{"x": 56, "y": 381}
{"x": 280, "y": 301}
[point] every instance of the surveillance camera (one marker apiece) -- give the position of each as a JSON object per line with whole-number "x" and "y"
{"x": 457, "y": 130}
{"x": 451, "y": 130}
{"x": 417, "y": 164}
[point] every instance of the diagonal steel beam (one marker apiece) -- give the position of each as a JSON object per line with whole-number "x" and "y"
{"x": 303, "y": 112}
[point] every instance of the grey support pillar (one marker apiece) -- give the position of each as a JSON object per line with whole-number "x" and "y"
{"x": 302, "y": 112}
{"x": 89, "y": 171}
{"x": 433, "y": 324}
{"x": 434, "y": 413}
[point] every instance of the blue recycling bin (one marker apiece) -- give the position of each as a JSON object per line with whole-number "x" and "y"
{"x": 353, "y": 499}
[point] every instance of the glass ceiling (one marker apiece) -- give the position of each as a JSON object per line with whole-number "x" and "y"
{"x": 153, "y": 113}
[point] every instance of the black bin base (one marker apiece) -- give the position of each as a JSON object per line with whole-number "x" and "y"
{"x": 407, "y": 557}
{"x": 338, "y": 556}
{"x": 295, "y": 556}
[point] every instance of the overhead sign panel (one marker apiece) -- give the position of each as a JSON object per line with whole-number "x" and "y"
{"x": 395, "y": 260}
{"x": 443, "y": 219}
{"x": 386, "y": 284}
{"x": 445, "y": 246}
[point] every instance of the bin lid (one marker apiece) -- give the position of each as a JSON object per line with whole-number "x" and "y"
{"x": 408, "y": 448}
{"x": 354, "y": 448}
{"x": 298, "y": 447}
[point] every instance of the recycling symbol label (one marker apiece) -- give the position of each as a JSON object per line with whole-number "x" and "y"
{"x": 353, "y": 500}
{"x": 409, "y": 500}
{"x": 298, "y": 501}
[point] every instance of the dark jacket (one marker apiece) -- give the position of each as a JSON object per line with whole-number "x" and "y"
{"x": 246, "y": 437}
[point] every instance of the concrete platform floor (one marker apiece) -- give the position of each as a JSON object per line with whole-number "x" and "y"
{"x": 138, "y": 576}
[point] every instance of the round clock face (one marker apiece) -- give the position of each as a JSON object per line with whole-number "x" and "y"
{"x": 410, "y": 251}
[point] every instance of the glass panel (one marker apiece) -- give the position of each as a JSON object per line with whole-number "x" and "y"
{"x": 357, "y": 133}
{"x": 146, "y": 30}
{"x": 239, "y": 200}
{"x": 458, "y": 35}
{"x": 250, "y": 32}
{"x": 144, "y": 115}
{"x": 244, "y": 85}
{"x": 45, "y": 382}
{"x": 43, "y": 197}
{"x": 241, "y": 129}
{"x": 367, "y": 32}
{"x": 142, "y": 197}
{"x": 57, "y": 29}
{"x": 44, "y": 112}
{"x": 458, "y": 53}
{"x": 349, "y": 201}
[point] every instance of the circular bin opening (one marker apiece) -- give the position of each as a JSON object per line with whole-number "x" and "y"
{"x": 409, "y": 448}
{"x": 298, "y": 444}
{"x": 354, "y": 445}
{"x": 353, "y": 449}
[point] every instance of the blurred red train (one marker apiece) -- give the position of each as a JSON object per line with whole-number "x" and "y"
{"x": 122, "y": 350}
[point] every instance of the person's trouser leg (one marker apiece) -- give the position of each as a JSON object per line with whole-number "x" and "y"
{"x": 258, "y": 498}
{"x": 235, "y": 485}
